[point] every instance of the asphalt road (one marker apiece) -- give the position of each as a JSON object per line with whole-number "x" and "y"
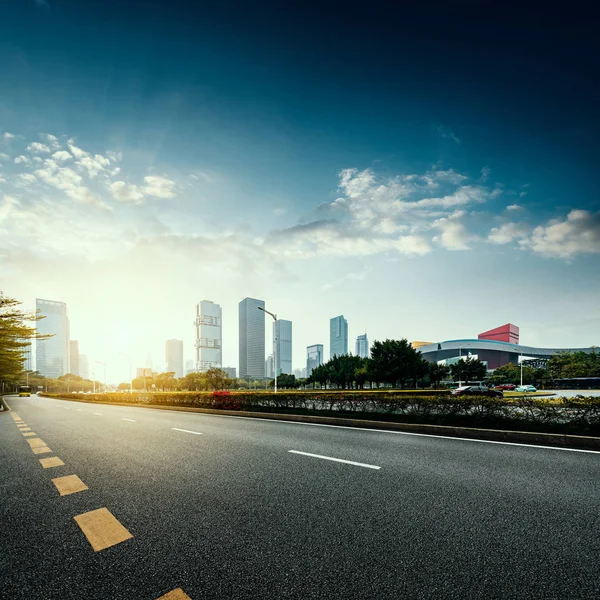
{"x": 220, "y": 507}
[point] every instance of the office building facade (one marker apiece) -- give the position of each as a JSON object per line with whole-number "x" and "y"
{"x": 231, "y": 371}
{"x": 269, "y": 367}
{"x": 314, "y": 357}
{"x": 282, "y": 342}
{"x": 74, "y": 357}
{"x": 84, "y": 366}
{"x": 52, "y": 354}
{"x": 209, "y": 336}
{"x": 251, "y": 338}
{"x": 362, "y": 346}
{"x": 174, "y": 357}
{"x": 338, "y": 336}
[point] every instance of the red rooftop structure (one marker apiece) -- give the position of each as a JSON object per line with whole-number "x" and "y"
{"x": 504, "y": 333}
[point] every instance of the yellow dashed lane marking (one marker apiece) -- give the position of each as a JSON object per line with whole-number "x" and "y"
{"x": 36, "y": 442}
{"x": 177, "y": 594}
{"x": 15, "y": 416}
{"x": 41, "y": 450}
{"x": 102, "y": 529}
{"x": 29, "y": 434}
{"x": 24, "y": 428}
{"x": 53, "y": 461}
{"x": 69, "y": 485}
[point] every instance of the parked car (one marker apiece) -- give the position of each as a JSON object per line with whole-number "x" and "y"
{"x": 526, "y": 388}
{"x": 505, "y": 386}
{"x": 476, "y": 390}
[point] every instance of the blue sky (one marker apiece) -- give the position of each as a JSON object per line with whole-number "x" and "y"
{"x": 428, "y": 173}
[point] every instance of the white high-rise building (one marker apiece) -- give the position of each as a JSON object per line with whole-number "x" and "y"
{"x": 174, "y": 357}
{"x": 84, "y": 367}
{"x": 209, "y": 335}
{"x": 252, "y": 338}
{"x": 282, "y": 340}
{"x": 74, "y": 357}
{"x": 52, "y": 354}
{"x": 269, "y": 368}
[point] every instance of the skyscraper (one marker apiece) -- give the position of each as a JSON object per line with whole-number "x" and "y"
{"x": 314, "y": 357}
{"x": 209, "y": 334}
{"x": 189, "y": 366}
{"x": 74, "y": 357}
{"x": 282, "y": 338}
{"x": 52, "y": 354}
{"x": 84, "y": 367}
{"x": 362, "y": 346}
{"x": 252, "y": 338}
{"x": 338, "y": 336}
{"x": 269, "y": 367}
{"x": 26, "y": 350}
{"x": 174, "y": 357}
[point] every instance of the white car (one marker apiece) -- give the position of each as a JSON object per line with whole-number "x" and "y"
{"x": 526, "y": 388}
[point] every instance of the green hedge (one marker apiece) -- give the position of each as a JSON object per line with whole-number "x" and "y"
{"x": 569, "y": 415}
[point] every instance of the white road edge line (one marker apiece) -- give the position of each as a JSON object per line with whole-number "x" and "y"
{"x": 124, "y": 419}
{"x": 186, "y": 431}
{"x": 427, "y": 435}
{"x": 340, "y": 460}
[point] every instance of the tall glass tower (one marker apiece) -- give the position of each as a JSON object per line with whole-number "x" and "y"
{"x": 174, "y": 357}
{"x": 314, "y": 357}
{"x": 362, "y": 346}
{"x": 209, "y": 335}
{"x": 252, "y": 338}
{"x": 282, "y": 337}
{"x": 52, "y": 354}
{"x": 338, "y": 336}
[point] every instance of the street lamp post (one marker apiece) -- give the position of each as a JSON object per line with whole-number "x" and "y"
{"x": 130, "y": 374}
{"x": 104, "y": 365}
{"x": 274, "y": 345}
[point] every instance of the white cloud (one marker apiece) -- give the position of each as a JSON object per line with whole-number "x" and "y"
{"x": 159, "y": 186}
{"x": 115, "y": 171}
{"x": 455, "y": 235}
{"x": 69, "y": 182}
{"x": 514, "y": 207}
{"x": 126, "y": 193}
{"x": 37, "y": 147}
{"x": 62, "y": 155}
{"x": 578, "y": 234}
{"x": 93, "y": 164}
{"x": 8, "y": 136}
{"x": 76, "y": 151}
{"x": 22, "y": 160}
{"x": 508, "y": 232}
{"x": 2, "y": 180}
{"x": 4, "y": 156}
{"x": 114, "y": 156}
{"x": 26, "y": 178}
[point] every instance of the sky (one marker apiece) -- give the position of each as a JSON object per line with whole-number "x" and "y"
{"x": 428, "y": 172}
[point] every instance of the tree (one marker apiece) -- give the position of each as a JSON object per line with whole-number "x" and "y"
{"x": 437, "y": 373}
{"x": 469, "y": 369}
{"x": 216, "y": 379}
{"x": 395, "y": 361}
{"x": 15, "y": 337}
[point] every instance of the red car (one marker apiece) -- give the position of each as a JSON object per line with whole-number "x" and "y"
{"x": 505, "y": 386}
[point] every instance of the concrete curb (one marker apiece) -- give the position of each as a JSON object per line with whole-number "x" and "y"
{"x": 499, "y": 435}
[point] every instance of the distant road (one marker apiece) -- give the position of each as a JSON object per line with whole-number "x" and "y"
{"x": 228, "y": 507}
{"x": 573, "y": 393}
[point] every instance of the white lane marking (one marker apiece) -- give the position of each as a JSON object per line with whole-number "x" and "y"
{"x": 186, "y": 431}
{"x": 124, "y": 419}
{"x": 79, "y": 409}
{"x": 427, "y": 435}
{"x": 98, "y": 414}
{"x": 340, "y": 460}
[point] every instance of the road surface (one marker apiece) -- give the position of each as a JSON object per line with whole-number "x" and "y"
{"x": 221, "y": 507}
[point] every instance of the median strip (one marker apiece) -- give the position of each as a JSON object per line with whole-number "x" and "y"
{"x": 102, "y": 529}
{"x": 69, "y": 484}
{"x": 186, "y": 431}
{"x": 340, "y": 460}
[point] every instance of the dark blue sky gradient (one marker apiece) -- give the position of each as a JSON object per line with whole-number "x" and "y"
{"x": 297, "y": 93}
